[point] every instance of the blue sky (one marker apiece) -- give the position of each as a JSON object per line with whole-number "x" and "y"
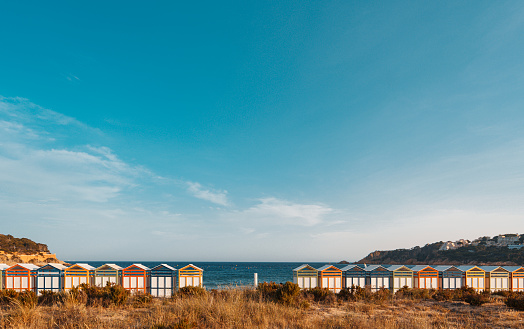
{"x": 259, "y": 131}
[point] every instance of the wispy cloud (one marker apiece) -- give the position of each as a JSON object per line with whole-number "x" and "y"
{"x": 279, "y": 212}
{"x": 214, "y": 196}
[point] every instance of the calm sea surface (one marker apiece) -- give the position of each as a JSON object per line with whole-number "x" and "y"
{"x": 222, "y": 274}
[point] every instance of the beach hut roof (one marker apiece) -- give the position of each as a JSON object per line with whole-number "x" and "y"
{"x": 145, "y": 268}
{"x": 325, "y": 267}
{"x": 396, "y": 267}
{"x": 442, "y": 268}
{"x": 85, "y": 266}
{"x": 417, "y": 268}
{"x": 304, "y": 266}
{"x": 352, "y": 266}
{"x": 491, "y": 268}
{"x": 31, "y": 267}
{"x": 3, "y": 266}
{"x": 55, "y": 265}
{"x": 512, "y": 268}
{"x": 465, "y": 268}
{"x": 113, "y": 266}
{"x": 191, "y": 265}
{"x": 166, "y": 266}
{"x": 370, "y": 268}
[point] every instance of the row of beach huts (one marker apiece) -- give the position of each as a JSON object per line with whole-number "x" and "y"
{"x": 394, "y": 277}
{"x": 159, "y": 281}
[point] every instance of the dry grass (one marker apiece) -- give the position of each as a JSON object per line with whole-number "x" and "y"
{"x": 245, "y": 308}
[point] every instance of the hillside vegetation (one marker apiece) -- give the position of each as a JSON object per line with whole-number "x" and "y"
{"x": 431, "y": 255}
{"x": 10, "y": 244}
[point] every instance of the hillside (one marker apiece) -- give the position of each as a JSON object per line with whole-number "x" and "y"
{"x": 431, "y": 255}
{"x": 10, "y": 244}
{"x": 22, "y": 250}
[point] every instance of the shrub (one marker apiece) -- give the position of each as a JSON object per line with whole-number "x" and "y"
{"x": 477, "y": 299}
{"x": 515, "y": 301}
{"x": 321, "y": 294}
{"x": 268, "y": 290}
{"x": 414, "y": 293}
{"x": 6, "y": 296}
{"x": 141, "y": 300}
{"x": 28, "y": 298}
{"x": 288, "y": 293}
{"x": 50, "y": 298}
{"x": 445, "y": 294}
{"x": 191, "y": 291}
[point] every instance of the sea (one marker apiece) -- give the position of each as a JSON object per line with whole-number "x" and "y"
{"x": 222, "y": 275}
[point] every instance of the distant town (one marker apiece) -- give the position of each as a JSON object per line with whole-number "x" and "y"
{"x": 510, "y": 241}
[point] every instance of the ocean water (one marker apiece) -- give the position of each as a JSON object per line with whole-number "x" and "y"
{"x": 223, "y": 274}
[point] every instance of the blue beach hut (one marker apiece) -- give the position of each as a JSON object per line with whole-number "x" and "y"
{"x": 450, "y": 277}
{"x": 353, "y": 275}
{"x": 3, "y": 267}
{"x": 378, "y": 277}
{"x": 49, "y": 277}
{"x": 163, "y": 280}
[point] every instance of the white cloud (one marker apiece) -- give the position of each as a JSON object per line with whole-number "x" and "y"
{"x": 217, "y": 197}
{"x": 284, "y": 212}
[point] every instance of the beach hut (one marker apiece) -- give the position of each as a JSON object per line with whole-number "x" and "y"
{"x": 305, "y": 276}
{"x": 517, "y": 277}
{"x": 190, "y": 275}
{"x": 49, "y": 278}
{"x": 163, "y": 280}
{"x": 474, "y": 276}
{"x": 378, "y": 277}
{"x": 402, "y": 276}
{"x": 497, "y": 278}
{"x": 426, "y": 277}
{"x": 330, "y": 277}
{"x": 20, "y": 277}
{"x": 450, "y": 277}
{"x": 78, "y": 274}
{"x": 135, "y": 278}
{"x": 3, "y": 267}
{"x": 107, "y": 273}
{"x": 354, "y": 275}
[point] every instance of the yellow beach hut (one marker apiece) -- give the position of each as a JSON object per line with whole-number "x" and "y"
{"x": 77, "y": 274}
{"x": 190, "y": 275}
{"x": 474, "y": 277}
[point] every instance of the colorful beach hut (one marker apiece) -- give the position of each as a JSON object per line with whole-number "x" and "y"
{"x": 517, "y": 277}
{"x": 77, "y": 274}
{"x": 163, "y": 280}
{"x": 190, "y": 275}
{"x": 497, "y": 278}
{"x": 50, "y": 278}
{"x": 306, "y": 276}
{"x": 20, "y": 277}
{"x": 330, "y": 277}
{"x": 378, "y": 277}
{"x": 353, "y": 275}
{"x": 107, "y": 273}
{"x": 402, "y": 276}
{"x": 3, "y": 267}
{"x": 450, "y": 277}
{"x": 135, "y": 278}
{"x": 426, "y": 277}
{"x": 474, "y": 277}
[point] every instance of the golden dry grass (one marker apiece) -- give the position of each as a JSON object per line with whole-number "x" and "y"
{"x": 243, "y": 308}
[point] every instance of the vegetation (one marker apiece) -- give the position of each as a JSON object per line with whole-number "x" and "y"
{"x": 10, "y": 244}
{"x": 269, "y": 306}
{"x": 430, "y": 254}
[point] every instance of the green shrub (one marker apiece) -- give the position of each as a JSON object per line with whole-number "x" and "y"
{"x": 444, "y": 294}
{"x": 141, "y": 299}
{"x": 268, "y": 290}
{"x": 50, "y": 298}
{"x": 288, "y": 293}
{"x": 515, "y": 300}
{"x": 414, "y": 293}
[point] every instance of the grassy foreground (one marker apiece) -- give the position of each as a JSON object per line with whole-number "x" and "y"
{"x": 271, "y": 306}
